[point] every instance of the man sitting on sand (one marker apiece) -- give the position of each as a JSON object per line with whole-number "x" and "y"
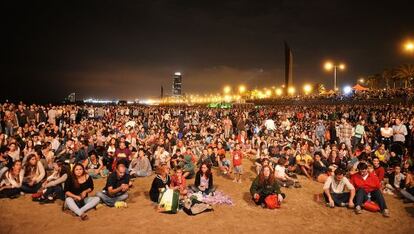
{"x": 368, "y": 185}
{"x": 117, "y": 185}
{"x": 334, "y": 188}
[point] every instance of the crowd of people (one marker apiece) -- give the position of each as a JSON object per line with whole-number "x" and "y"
{"x": 55, "y": 152}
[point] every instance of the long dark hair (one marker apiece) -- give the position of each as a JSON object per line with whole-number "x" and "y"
{"x": 73, "y": 176}
{"x": 28, "y": 168}
{"x": 208, "y": 172}
{"x": 262, "y": 178}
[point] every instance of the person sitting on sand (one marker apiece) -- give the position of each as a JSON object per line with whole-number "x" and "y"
{"x": 12, "y": 180}
{"x": 160, "y": 182}
{"x": 367, "y": 184}
{"x": 304, "y": 161}
{"x": 334, "y": 190}
{"x": 52, "y": 187}
{"x": 34, "y": 172}
{"x": 77, "y": 189}
{"x": 178, "y": 182}
{"x": 140, "y": 166}
{"x": 117, "y": 185}
{"x": 320, "y": 168}
{"x": 204, "y": 180}
{"x": 188, "y": 166}
{"x": 265, "y": 185}
{"x": 281, "y": 177}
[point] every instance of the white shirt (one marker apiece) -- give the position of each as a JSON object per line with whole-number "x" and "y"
{"x": 335, "y": 187}
{"x": 280, "y": 171}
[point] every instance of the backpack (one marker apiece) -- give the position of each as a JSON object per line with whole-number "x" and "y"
{"x": 195, "y": 207}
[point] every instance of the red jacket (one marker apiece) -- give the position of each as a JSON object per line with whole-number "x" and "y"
{"x": 370, "y": 184}
{"x": 380, "y": 172}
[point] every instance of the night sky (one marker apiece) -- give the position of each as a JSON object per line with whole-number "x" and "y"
{"x": 128, "y": 49}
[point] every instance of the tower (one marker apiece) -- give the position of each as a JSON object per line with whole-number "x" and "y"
{"x": 177, "y": 84}
{"x": 288, "y": 67}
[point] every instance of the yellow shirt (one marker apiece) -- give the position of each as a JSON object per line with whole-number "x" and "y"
{"x": 304, "y": 159}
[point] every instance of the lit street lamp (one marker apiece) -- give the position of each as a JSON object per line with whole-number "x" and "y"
{"x": 242, "y": 89}
{"x": 332, "y": 66}
{"x": 307, "y": 88}
{"x": 227, "y": 89}
{"x": 409, "y": 46}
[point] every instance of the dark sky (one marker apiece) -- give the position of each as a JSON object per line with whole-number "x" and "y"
{"x": 128, "y": 49}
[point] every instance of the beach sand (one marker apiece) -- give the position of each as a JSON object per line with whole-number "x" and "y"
{"x": 299, "y": 214}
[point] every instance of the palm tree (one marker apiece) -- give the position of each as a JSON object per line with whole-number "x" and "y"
{"x": 386, "y": 76}
{"x": 394, "y": 76}
{"x": 371, "y": 81}
{"x": 406, "y": 73}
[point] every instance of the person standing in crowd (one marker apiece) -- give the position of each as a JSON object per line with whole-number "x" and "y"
{"x": 237, "y": 156}
{"x": 399, "y": 132}
{"x": 345, "y": 133}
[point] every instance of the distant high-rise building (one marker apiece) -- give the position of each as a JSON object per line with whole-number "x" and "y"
{"x": 288, "y": 67}
{"x": 162, "y": 92}
{"x": 177, "y": 84}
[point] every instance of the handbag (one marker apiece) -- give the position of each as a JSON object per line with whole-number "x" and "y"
{"x": 168, "y": 201}
{"x": 272, "y": 201}
{"x": 371, "y": 206}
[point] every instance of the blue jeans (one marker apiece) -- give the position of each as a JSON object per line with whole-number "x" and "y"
{"x": 338, "y": 198}
{"x": 90, "y": 202}
{"x": 55, "y": 191}
{"x": 361, "y": 197}
{"x": 110, "y": 201}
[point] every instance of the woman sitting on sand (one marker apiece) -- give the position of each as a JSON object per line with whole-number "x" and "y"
{"x": 204, "y": 180}
{"x": 12, "y": 181}
{"x": 34, "y": 172}
{"x": 265, "y": 185}
{"x": 160, "y": 182}
{"x": 77, "y": 189}
{"x": 52, "y": 188}
{"x": 320, "y": 168}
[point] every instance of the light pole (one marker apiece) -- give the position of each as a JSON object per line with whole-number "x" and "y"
{"x": 333, "y": 66}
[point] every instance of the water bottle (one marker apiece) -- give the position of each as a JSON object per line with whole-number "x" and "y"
{"x": 369, "y": 196}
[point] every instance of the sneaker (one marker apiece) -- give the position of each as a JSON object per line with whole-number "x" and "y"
{"x": 343, "y": 204}
{"x": 121, "y": 204}
{"x": 358, "y": 210}
{"x": 386, "y": 213}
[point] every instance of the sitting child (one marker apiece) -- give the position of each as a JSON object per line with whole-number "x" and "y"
{"x": 178, "y": 182}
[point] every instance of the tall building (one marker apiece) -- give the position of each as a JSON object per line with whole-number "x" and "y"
{"x": 177, "y": 84}
{"x": 288, "y": 67}
{"x": 162, "y": 92}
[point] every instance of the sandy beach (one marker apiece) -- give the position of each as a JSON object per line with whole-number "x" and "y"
{"x": 299, "y": 213}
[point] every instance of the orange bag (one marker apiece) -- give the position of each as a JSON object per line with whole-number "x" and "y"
{"x": 371, "y": 206}
{"x": 327, "y": 135}
{"x": 272, "y": 202}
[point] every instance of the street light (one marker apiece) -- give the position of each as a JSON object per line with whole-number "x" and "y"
{"x": 409, "y": 46}
{"x": 242, "y": 89}
{"x": 291, "y": 90}
{"x": 307, "y": 88}
{"x": 227, "y": 89}
{"x": 361, "y": 80}
{"x": 333, "y": 66}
